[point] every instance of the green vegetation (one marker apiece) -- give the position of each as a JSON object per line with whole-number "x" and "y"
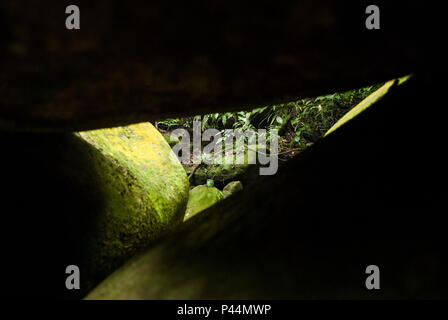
{"x": 299, "y": 123}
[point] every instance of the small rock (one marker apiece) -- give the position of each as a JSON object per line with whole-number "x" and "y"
{"x": 200, "y": 198}
{"x": 231, "y": 188}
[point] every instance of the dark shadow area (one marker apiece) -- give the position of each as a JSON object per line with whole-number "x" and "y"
{"x": 158, "y": 59}
{"x": 50, "y": 201}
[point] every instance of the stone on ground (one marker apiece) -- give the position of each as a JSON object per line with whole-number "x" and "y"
{"x": 228, "y": 170}
{"x": 231, "y": 188}
{"x": 201, "y": 198}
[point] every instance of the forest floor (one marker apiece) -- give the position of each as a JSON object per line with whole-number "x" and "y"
{"x": 299, "y": 124}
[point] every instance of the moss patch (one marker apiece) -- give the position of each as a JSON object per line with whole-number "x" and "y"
{"x": 363, "y": 105}
{"x": 231, "y": 188}
{"x": 144, "y": 190}
{"x": 201, "y": 198}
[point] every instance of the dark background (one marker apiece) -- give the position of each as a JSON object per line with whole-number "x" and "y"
{"x": 398, "y": 160}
